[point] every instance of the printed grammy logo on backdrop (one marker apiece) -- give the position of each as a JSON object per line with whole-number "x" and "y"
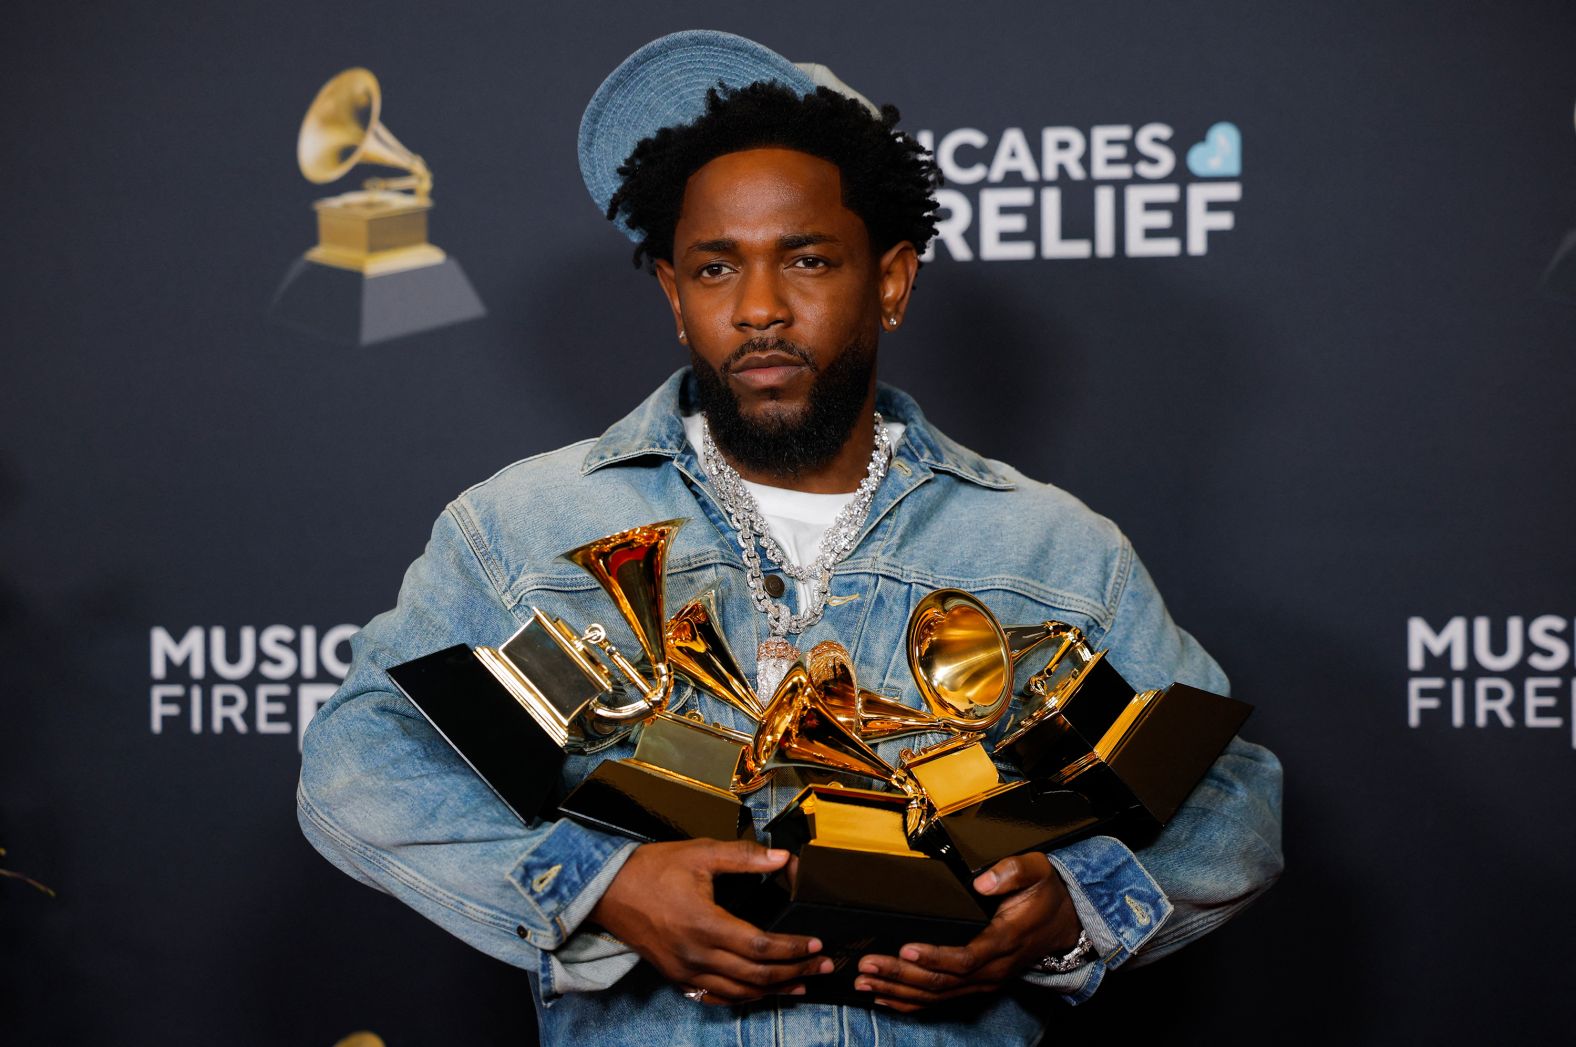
{"x": 372, "y": 276}
{"x": 1110, "y": 192}
{"x": 267, "y": 680}
{"x": 1486, "y": 673}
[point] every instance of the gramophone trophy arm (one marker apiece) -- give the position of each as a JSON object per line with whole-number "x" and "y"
{"x": 382, "y": 147}
{"x": 423, "y": 186}
{"x": 653, "y": 695}
{"x": 653, "y": 699}
{"x": 420, "y": 182}
{"x": 1022, "y": 640}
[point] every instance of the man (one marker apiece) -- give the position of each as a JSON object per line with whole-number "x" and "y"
{"x": 784, "y": 224}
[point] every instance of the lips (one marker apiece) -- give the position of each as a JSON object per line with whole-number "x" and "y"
{"x": 766, "y": 368}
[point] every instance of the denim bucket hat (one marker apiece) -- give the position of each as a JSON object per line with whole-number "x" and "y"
{"x": 664, "y": 84}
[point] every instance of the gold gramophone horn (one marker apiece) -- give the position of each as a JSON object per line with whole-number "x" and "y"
{"x": 963, "y": 658}
{"x": 798, "y": 730}
{"x": 629, "y": 566}
{"x": 699, "y": 652}
{"x": 872, "y": 716}
{"x": 342, "y": 129}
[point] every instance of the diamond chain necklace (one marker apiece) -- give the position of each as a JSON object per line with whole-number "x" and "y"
{"x": 745, "y": 514}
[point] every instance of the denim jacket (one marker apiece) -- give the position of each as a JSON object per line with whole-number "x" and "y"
{"x": 384, "y": 798}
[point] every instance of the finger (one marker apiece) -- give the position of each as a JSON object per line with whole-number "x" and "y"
{"x": 957, "y": 960}
{"x": 900, "y": 992}
{"x": 1017, "y": 873}
{"x": 987, "y": 947}
{"x": 724, "y": 991}
{"x": 890, "y": 970}
{"x": 767, "y": 977}
{"x": 731, "y": 934}
{"x": 740, "y": 856}
{"x": 721, "y": 991}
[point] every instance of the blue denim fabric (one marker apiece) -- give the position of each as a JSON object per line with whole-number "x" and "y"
{"x": 386, "y": 800}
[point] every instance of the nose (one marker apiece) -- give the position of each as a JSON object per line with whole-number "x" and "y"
{"x": 760, "y": 304}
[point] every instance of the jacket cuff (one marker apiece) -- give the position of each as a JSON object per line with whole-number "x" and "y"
{"x": 562, "y": 877}
{"x": 1119, "y": 903}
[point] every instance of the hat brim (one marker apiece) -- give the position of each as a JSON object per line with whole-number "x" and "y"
{"x": 664, "y": 84}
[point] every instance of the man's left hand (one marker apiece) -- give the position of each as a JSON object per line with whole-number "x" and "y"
{"x": 1035, "y": 919}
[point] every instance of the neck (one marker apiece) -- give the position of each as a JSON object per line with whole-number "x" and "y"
{"x": 841, "y": 474}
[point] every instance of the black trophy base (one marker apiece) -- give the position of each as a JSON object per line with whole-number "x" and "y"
{"x": 349, "y": 308}
{"x": 1080, "y": 720}
{"x": 847, "y": 934}
{"x": 1013, "y": 819}
{"x": 863, "y": 902}
{"x": 651, "y": 805}
{"x": 484, "y": 724}
{"x": 1163, "y": 756}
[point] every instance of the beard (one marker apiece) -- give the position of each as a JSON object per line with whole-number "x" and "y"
{"x": 788, "y": 446}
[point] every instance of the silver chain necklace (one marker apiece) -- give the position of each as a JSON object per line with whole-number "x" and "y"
{"x": 745, "y": 514}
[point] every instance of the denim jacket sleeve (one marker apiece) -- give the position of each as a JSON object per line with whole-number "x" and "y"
{"x": 385, "y": 799}
{"x": 1220, "y": 851}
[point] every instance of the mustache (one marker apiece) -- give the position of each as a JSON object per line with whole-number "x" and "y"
{"x": 764, "y": 344}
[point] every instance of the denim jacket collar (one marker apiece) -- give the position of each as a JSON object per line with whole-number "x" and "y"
{"x": 656, "y": 428}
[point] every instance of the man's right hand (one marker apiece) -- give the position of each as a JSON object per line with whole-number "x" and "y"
{"x": 661, "y": 905}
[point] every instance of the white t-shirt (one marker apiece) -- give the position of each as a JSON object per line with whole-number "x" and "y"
{"x": 797, "y": 519}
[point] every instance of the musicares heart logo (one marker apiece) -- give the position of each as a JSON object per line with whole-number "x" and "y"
{"x": 1219, "y": 155}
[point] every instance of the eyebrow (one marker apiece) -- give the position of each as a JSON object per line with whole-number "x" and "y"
{"x": 797, "y": 240}
{"x": 791, "y": 242}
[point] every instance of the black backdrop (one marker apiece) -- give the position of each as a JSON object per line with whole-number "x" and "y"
{"x": 1341, "y": 438}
